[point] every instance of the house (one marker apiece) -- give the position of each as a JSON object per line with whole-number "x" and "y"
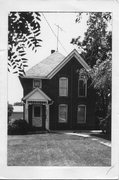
{"x": 54, "y": 96}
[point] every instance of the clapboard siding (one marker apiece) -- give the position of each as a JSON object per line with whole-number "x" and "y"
{"x": 51, "y": 88}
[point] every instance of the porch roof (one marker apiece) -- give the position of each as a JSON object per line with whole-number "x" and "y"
{"x": 37, "y": 95}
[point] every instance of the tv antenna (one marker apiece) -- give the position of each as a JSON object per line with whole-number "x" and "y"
{"x": 58, "y": 28}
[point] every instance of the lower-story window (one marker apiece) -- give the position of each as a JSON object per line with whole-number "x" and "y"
{"x": 81, "y": 114}
{"x": 63, "y": 109}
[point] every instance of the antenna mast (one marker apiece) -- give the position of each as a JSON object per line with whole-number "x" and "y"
{"x": 58, "y": 27}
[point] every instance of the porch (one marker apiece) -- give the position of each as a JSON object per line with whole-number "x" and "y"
{"x": 36, "y": 109}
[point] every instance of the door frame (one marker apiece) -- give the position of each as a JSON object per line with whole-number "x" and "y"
{"x": 37, "y": 118}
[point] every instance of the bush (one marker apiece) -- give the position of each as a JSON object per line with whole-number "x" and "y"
{"x": 18, "y": 127}
{"x": 105, "y": 125}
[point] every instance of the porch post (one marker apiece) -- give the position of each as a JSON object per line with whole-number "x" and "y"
{"x": 47, "y": 117}
{"x": 26, "y": 111}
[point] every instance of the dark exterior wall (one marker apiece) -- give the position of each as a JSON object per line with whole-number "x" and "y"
{"x": 27, "y": 85}
{"x": 51, "y": 88}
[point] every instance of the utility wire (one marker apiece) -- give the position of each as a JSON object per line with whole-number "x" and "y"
{"x": 53, "y": 32}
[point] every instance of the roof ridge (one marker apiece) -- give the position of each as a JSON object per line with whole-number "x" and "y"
{"x": 75, "y": 52}
{"x": 51, "y": 64}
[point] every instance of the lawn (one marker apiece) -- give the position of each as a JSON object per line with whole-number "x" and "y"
{"x": 56, "y": 150}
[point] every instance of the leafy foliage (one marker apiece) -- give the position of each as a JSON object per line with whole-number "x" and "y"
{"x": 23, "y": 33}
{"x": 18, "y": 127}
{"x": 97, "y": 51}
{"x": 102, "y": 76}
{"x": 18, "y": 104}
{"x": 105, "y": 125}
{"x": 97, "y": 39}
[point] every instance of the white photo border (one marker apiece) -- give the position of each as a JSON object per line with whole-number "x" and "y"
{"x": 58, "y": 172}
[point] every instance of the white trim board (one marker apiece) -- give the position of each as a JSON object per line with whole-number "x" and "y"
{"x": 75, "y": 54}
{"x": 40, "y": 92}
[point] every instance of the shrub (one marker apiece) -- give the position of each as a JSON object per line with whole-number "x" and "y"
{"x": 105, "y": 125}
{"x": 18, "y": 127}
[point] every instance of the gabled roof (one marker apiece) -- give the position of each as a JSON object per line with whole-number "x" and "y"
{"x": 52, "y": 64}
{"x": 46, "y": 66}
{"x": 37, "y": 95}
{"x": 73, "y": 53}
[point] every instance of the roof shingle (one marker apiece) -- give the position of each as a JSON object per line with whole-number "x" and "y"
{"x": 46, "y": 66}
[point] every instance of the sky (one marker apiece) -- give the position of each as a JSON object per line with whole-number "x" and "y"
{"x": 70, "y": 30}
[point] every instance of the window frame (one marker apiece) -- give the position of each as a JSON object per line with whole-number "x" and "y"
{"x": 81, "y": 105}
{"x": 66, "y": 78}
{"x": 66, "y": 113}
{"x": 85, "y": 81}
{"x": 39, "y": 81}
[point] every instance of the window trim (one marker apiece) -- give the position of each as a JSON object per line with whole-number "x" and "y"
{"x": 66, "y": 78}
{"x": 39, "y": 81}
{"x": 81, "y": 105}
{"x": 66, "y": 113}
{"x": 84, "y": 80}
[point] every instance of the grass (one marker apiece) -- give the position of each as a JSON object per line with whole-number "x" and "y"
{"x": 56, "y": 150}
{"x": 102, "y": 135}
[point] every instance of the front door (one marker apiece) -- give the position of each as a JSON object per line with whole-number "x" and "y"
{"x": 37, "y": 116}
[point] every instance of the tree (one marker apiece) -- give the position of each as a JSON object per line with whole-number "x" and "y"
{"x": 101, "y": 75}
{"x": 97, "y": 40}
{"x": 97, "y": 51}
{"x": 18, "y": 103}
{"x": 23, "y": 33}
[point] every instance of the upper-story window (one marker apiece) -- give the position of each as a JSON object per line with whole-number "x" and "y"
{"x": 37, "y": 83}
{"x": 63, "y": 86}
{"x": 82, "y": 87}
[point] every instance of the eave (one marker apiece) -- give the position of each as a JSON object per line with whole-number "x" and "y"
{"x": 75, "y": 54}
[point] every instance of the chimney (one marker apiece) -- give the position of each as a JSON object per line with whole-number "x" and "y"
{"x": 52, "y": 51}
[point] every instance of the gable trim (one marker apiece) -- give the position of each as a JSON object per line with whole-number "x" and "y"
{"x": 40, "y": 91}
{"x": 33, "y": 77}
{"x": 75, "y": 54}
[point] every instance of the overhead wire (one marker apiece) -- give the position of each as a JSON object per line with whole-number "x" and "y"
{"x": 53, "y": 32}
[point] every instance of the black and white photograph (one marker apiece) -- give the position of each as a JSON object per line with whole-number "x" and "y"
{"x": 61, "y": 107}
{"x": 59, "y": 103}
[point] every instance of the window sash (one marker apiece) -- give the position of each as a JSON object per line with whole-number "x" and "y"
{"x": 82, "y": 87}
{"x": 63, "y": 87}
{"x": 37, "y": 83}
{"x": 37, "y": 111}
{"x": 63, "y": 92}
{"x": 81, "y": 114}
{"x": 63, "y": 109}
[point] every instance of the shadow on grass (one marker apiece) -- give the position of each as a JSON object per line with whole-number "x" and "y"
{"x": 28, "y": 133}
{"x": 102, "y": 135}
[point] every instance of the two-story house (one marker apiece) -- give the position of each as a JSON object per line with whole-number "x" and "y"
{"x": 55, "y": 98}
